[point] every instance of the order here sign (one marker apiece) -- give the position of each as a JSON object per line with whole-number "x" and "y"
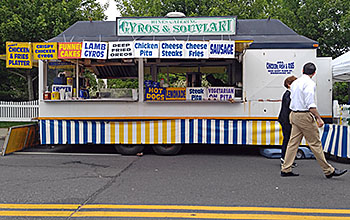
{"x": 18, "y": 55}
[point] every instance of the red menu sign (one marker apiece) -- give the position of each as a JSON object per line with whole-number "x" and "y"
{"x": 69, "y": 50}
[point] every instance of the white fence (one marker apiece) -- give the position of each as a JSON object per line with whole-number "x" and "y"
{"x": 19, "y": 111}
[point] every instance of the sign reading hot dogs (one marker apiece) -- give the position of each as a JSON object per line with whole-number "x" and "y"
{"x": 155, "y": 94}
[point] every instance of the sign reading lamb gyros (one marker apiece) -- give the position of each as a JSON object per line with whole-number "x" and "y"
{"x": 121, "y": 49}
{"x": 176, "y": 26}
{"x": 94, "y": 50}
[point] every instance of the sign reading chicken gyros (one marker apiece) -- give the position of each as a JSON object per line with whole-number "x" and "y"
{"x": 69, "y": 50}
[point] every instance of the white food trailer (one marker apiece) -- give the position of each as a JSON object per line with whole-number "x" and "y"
{"x": 255, "y": 56}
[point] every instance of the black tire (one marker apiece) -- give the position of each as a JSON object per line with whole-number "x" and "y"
{"x": 300, "y": 154}
{"x": 129, "y": 149}
{"x": 171, "y": 149}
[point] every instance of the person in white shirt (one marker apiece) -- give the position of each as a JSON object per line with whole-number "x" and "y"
{"x": 305, "y": 121}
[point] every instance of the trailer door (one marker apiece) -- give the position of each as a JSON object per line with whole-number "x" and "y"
{"x": 324, "y": 85}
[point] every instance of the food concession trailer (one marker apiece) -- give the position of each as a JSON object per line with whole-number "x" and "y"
{"x": 252, "y": 56}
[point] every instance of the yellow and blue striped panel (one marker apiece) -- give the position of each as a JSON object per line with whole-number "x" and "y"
{"x": 335, "y": 138}
{"x": 179, "y": 131}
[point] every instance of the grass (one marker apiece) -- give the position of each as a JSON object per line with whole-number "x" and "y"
{"x": 7, "y": 124}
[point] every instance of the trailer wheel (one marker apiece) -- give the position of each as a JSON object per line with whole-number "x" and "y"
{"x": 300, "y": 154}
{"x": 171, "y": 149}
{"x": 129, "y": 149}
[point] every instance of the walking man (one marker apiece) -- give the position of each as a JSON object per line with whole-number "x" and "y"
{"x": 305, "y": 119}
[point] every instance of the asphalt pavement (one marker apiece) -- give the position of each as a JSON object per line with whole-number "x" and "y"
{"x": 224, "y": 176}
{"x": 207, "y": 175}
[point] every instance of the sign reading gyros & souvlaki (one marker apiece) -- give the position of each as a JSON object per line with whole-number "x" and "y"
{"x": 222, "y": 49}
{"x": 148, "y": 49}
{"x": 94, "y": 50}
{"x": 45, "y": 51}
{"x": 176, "y": 26}
{"x": 121, "y": 49}
{"x": 18, "y": 55}
{"x": 172, "y": 49}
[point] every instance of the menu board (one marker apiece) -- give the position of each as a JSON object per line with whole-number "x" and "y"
{"x": 123, "y": 49}
{"x": 70, "y": 50}
{"x": 221, "y": 93}
{"x": 18, "y": 55}
{"x": 196, "y": 93}
{"x": 45, "y": 51}
{"x": 94, "y": 50}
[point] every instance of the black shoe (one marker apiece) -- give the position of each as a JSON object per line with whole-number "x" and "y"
{"x": 293, "y": 165}
{"x": 284, "y": 174}
{"x": 336, "y": 172}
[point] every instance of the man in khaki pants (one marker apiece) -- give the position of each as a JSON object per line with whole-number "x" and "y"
{"x": 305, "y": 121}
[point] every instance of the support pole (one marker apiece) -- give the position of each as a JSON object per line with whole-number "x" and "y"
{"x": 154, "y": 73}
{"x": 141, "y": 79}
{"x": 42, "y": 81}
{"x": 77, "y": 79}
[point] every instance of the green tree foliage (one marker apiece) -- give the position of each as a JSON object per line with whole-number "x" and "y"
{"x": 326, "y": 21}
{"x": 122, "y": 83}
{"x": 341, "y": 92}
{"x": 38, "y": 21}
{"x": 241, "y": 8}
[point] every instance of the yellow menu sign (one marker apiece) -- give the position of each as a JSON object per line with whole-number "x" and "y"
{"x": 18, "y": 55}
{"x": 45, "y": 51}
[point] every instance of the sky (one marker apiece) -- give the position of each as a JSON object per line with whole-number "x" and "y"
{"x": 111, "y": 12}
